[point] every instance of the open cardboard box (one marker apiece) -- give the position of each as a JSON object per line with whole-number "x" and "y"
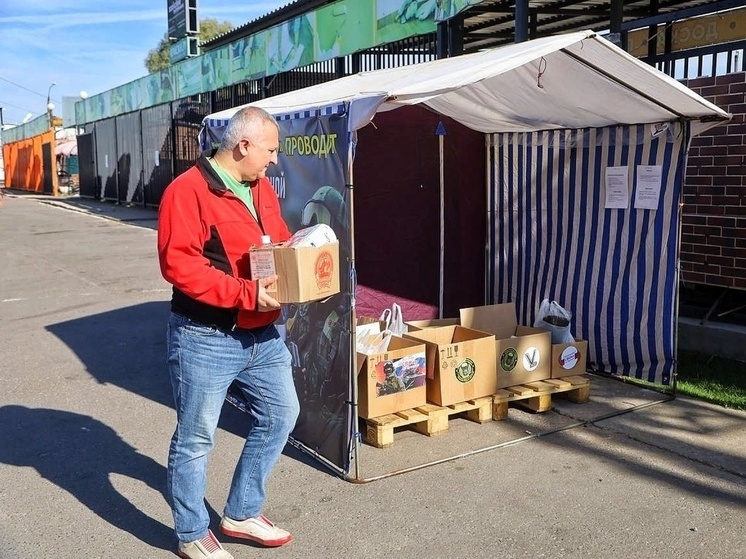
{"x": 378, "y": 395}
{"x": 460, "y": 363}
{"x": 304, "y": 273}
{"x": 522, "y": 353}
{"x": 414, "y": 325}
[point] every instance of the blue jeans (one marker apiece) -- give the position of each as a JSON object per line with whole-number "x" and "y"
{"x": 203, "y": 362}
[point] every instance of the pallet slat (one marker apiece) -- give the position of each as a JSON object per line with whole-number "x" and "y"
{"x": 429, "y": 420}
{"x": 537, "y": 396}
{"x": 558, "y": 382}
{"x": 432, "y": 420}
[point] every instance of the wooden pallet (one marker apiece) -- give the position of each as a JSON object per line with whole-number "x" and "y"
{"x": 428, "y": 419}
{"x": 537, "y": 396}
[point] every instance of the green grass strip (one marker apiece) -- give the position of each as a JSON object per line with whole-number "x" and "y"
{"x": 713, "y": 379}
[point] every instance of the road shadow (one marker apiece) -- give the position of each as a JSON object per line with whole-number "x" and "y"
{"x": 126, "y": 347}
{"x": 79, "y": 454}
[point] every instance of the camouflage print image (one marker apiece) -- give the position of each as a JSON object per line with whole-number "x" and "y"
{"x": 449, "y": 8}
{"x": 318, "y": 339}
{"x": 290, "y": 45}
{"x": 344, "y": 27}
{"x": 118, "y": 100}
{"x": 399, "y": 375}
{"x": 248, "y": 57}
{"x": 396, "y": 19}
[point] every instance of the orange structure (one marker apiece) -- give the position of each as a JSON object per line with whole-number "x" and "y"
{"x": 24, "y": 164}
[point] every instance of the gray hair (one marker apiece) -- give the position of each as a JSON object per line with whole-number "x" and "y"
{"x": 246, "y": 123}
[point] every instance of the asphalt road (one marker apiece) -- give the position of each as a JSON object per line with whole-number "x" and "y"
{"x": 86, "y": 417}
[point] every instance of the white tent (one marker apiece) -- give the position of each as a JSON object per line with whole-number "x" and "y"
{"x": 568, "y": 81}
{"x": 556, "y": 114}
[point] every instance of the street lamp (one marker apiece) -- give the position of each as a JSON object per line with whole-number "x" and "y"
{"x": 83, "y": 96}
{"x": 50, "y": 105}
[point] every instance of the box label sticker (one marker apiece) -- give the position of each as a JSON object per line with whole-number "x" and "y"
{"x": 531, "y": 359}
{"x": 509, "y": 359}
{"x": 262, "y": 263}
{"x": 323, "y": 271}
{"x": 465, "y": 371}
{"x": 399, "y": 375}
{"x": 569, "y": 358}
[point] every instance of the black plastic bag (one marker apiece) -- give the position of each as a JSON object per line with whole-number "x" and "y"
{"x": 555, "y": 319}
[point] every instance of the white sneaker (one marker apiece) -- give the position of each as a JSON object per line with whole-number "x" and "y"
{"x": 206, "y": 548}
{"x": 258, "y": 529}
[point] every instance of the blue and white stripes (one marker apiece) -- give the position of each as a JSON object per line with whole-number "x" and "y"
{"x": 614, "y": 269}
{"x": 212, "y": 128}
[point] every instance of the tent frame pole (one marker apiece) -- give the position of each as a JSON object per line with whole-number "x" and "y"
{"x": 680, "y": 223}
{"x": 353, "y": 408}
{"x": 489, "y": 241}
{"x": 442, "y": 225}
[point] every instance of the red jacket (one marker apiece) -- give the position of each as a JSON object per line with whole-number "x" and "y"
{"x": 204, "y": 234}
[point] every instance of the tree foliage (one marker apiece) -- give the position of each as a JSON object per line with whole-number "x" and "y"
{"x": 159, "y": 58}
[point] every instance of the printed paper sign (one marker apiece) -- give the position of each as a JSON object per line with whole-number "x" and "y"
{"x": 617, "y": 187}
{"x": 648, "y": 189}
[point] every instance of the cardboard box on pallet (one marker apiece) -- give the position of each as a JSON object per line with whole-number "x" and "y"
{"x": 460, "y": 363}
{"x": 393, "y": 380}
{"x": 522, "y": 353}
{"x": 305, "y": 273}
{"x": 569, "y": 359}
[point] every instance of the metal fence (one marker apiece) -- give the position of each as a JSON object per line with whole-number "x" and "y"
{"x": 136, "y": 155}
{"x": 714, "y": 60}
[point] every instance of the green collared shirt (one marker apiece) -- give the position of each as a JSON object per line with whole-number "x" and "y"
{"x": 241, "y": 189}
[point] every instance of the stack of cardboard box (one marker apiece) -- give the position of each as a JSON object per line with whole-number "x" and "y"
{"x": 467, "y": 358}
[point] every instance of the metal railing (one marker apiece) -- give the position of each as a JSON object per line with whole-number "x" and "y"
{"x": 710, "y": 61}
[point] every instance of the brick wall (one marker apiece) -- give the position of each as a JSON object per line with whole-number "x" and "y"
{"x": 713, "y": 242}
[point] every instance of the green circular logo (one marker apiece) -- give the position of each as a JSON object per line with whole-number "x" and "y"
{"x": 465, "y": 370}
{"x": 509, "y": 359}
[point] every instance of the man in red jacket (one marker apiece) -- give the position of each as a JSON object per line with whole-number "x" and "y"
{"x": 221, "y": 330}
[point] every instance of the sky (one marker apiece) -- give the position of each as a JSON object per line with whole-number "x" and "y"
{"x": 91, "y": 46}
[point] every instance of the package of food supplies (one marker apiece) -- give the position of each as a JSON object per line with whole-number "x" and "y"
{"x": 307, "y": 265}
{"x": 314, "y": 236}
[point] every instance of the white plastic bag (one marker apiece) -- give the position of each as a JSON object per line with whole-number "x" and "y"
{"x": 364, "y": 331}
{"x": 374, "y": 343}
{"x": 555, "y": 319}
{"x": 394, "y": 320}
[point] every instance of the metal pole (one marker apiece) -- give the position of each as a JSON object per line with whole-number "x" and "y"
{"x": 441, "y": 135}
{"x": 355, "y": 450}
{"x": 489, "y": 278}
{"x": 49, "y": 108}
{"x": 680, "y": 227}
{"x": 521, "y": 21}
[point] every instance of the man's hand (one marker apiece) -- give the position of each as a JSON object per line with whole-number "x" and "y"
{"x": 265, "y": 301}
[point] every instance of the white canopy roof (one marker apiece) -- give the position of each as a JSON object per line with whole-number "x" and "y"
{"x": 575, "y": 80}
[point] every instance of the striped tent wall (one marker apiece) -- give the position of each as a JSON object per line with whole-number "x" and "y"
{"x": 615, "y": 270}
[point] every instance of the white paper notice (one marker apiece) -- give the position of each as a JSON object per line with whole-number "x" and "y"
{"x": 648, "y": 189}
{"x": 617, "y": 187}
